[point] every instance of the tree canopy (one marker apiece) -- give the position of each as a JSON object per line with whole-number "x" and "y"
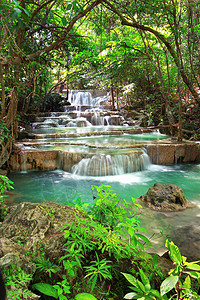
{"x": 150, "y": 46}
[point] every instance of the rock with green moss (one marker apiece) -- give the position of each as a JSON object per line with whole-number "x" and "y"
{"x": 37, "y": 225}
{"x": 165, "y": 197}
{"x": 32, "y": 230}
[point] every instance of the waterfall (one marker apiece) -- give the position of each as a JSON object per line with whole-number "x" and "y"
{"x": 97, "y": 119}
{"x": 105, "y": 165}
{"x": 79, "y": 98}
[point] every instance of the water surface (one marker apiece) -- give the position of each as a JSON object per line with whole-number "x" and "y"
{"x": 63, "y": 187}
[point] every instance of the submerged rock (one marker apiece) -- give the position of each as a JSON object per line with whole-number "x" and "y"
{"x": 165, "y": 197}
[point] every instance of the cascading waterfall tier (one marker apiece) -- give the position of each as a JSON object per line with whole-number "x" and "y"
{"x": 86, "y": 142}
{"x": 78, "y": 98}
{"x": 105, "y": 164}
{"x": 86, "y": 98}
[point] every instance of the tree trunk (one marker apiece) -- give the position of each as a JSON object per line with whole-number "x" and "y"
{"x": 164, "y": 40}
{"x": 180, "y": 127}
{"x": 112, "y": 97}
{"x": 3, "y": 97}
{"x": 162, "y": 87}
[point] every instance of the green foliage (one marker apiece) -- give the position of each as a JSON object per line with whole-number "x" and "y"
{"x": 46, "y": 289}
{"x": 94, "y": 250}
{"x": 5, "y": 185}
{"x": 175, "y": 281}
{"x": 142, "y": 289}
{"x": 98, "y": 270}
{"x": 181, "y": 284}
{"x": 84, "y": 296}
{"x": 144, "y": 261}
{"x": 98, "y": 230}
{"x": 60, "y": 291}
{"x": 57, "y": 291}
{"x": 17, "y": 282}
{"x": 4, "y": 132}
{"x": 45, "y": 265}
{"x": 118, "y": 215}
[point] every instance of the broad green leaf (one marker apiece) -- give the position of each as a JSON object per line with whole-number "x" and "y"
{"x": 130, "y": 295}
{"x": 193, "y": 274}
{"x": 193, "y": 267}
{"x": 187, "y": 283}
{"x": 142, "y": 229}
{"x": 131, "y": 279}
{"x": 46, "y": 289}
{"x": 131, "y": 231}
{"x": 174, "y": 253}
{"x": 144, "y": 238}
{"x": 141, "y": 286}
{"x": 144, "y": 278}
{"x": 168, "y": 284}
{"x": 134, "y": 241}
{"x": 84, "y": 296}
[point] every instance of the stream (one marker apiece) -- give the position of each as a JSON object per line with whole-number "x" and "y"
{"x": 67, "y": 139}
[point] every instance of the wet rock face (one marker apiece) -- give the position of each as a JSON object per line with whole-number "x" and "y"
{"x": 173, "y": 153}
{"x": 187, "y": 239}
{"x": 165, "y": 197}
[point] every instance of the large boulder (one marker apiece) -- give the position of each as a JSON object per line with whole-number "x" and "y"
{"x": 36, "y": 224}
{"x": 29, "y": 231}
{"x": 165, "y": 197}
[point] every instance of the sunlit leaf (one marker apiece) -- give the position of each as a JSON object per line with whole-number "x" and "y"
{"x": 46, "y": 289}
{"x": 131, "y": 279}
{"x": 84, "y": 296}
{"x": 168, "y": 284}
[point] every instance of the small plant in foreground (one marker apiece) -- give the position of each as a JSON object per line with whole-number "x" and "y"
{"x": 45, "y": 265}
{"x": 118, "y": 215}
{"x": 60, "y": 291}
{"x": 142, "y": 289}
{"x": 98, "y": 270}
{"x": 183, "y": 289}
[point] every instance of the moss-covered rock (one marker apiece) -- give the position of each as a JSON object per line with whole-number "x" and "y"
{"x": 165, "y": 197}
{"x": 37, "y": 225}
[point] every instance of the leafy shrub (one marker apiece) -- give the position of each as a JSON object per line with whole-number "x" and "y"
{"x": 181, "y": 288}
{"x": 5, "y": 185}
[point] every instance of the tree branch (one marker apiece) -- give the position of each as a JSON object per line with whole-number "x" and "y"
{"x": 4, "y": 60}
{"x": 160, "y": 37}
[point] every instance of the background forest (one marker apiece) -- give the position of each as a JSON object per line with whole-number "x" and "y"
{"x": 145, "y": 54}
